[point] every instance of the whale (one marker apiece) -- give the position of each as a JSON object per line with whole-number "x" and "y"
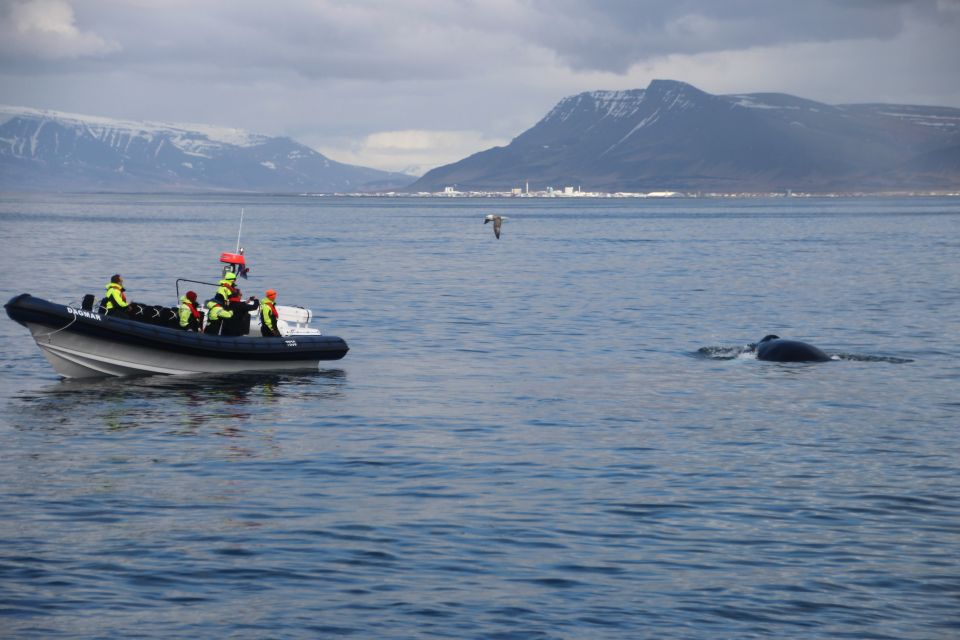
{"x": 776, "y": 349}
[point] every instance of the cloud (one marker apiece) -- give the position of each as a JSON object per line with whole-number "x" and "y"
{"x": 46, "y": 29}
{"x": 417, "y": 83}
{"x": 410, "y": 151}
{"x": 612, "y": 35}
{"x": 919, "y": 65}
{"x": 437, "y": 39}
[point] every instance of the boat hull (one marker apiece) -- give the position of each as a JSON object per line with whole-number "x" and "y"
{"x": 85, "y": 344}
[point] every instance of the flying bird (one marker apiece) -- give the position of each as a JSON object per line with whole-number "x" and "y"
{"x": 497, "y": 221}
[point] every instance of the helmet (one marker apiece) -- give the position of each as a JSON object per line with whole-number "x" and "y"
{"x": 229, "y": 275}
{"x": 270, "y": 293}
{"x": 192, "y": 296}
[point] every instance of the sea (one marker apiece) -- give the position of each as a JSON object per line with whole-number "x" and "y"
{"x": 560, "y": 434}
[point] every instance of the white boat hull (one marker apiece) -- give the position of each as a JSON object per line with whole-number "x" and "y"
{"x": 87, "y": 344}
{"x": 76, "y": 356}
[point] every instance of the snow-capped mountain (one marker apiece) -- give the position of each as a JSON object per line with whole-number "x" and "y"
{"x": 673, "y": 136}
{"x": 69, "y": 152}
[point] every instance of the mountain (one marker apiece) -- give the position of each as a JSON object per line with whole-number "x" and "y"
{"x": 673, "y": 136}
{"x": 49, "y": 150}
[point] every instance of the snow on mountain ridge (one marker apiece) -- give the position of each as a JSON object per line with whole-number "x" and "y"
{"x": 614, "y": 104}
{"x": 676, "y": 137}
{"x": 184, "y": 134}
{"x": 617, "y": 104}
{"x": 42, "y": 149}
{"x": 678, "y": 100}
{"x": 564, "y": 109}
{"x": 752, "y": 102}
{"x": 623, "y": 104}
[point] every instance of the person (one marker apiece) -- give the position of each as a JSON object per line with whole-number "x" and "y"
{"x": 269, "y": 315}
{"x": 227, "y": 289}
{"x": 216, "y": 314}
{"x": 239, "y": 323}
{"x": 116, "y": 299}
{"x": 190, "y": 318}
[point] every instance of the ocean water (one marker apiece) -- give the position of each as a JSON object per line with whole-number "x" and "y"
{"x": 554, "y": 435}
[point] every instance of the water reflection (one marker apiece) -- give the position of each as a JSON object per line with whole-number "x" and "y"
{"x": 223, "y": 403}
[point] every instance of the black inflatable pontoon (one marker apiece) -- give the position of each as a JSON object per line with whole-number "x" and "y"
{"x": 85, "y": 344}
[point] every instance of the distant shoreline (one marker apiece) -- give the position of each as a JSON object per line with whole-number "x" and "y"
{"x": 508, "y": 195}
{"x": 650, "y": 196}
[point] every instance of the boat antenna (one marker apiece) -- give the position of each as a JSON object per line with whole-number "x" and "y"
{"x": 239, "y": 230}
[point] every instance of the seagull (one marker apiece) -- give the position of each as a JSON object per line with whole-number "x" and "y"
{"x": 497, "y": 221}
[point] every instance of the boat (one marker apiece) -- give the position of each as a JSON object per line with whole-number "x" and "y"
{"x": 86, "y": 342}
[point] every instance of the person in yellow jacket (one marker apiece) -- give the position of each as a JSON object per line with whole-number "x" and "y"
{"x": 269, "y": 315}
{"x": 190, "y": 317}
{"x": 227, "y": 289}
{"x": 216, "y": 314}
{"x": 116, "y": 300}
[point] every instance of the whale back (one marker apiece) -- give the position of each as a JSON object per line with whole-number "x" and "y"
{"x": 776, "y": 349}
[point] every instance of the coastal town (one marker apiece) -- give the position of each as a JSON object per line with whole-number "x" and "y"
{"x": 577, "y": 192}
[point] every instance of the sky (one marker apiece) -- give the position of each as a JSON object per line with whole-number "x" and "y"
{"x": 408, "y": 85}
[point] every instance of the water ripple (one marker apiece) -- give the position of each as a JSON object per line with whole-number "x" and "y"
{"x": 544, "y": 452}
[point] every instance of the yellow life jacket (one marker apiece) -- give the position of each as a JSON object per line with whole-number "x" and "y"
{"x": 268, "y": 314}
{"x": 188, "y": 313}
{"x": 215, "y": 311}
{"x": 115, "y": 297}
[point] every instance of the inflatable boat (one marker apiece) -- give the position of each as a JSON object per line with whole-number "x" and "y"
{"x": 85, "y": 342}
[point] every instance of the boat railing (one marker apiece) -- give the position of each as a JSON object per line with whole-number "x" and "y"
{"x": 179, "y": 280}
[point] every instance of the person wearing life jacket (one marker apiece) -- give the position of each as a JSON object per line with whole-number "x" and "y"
{"x": 239, "y": 324}
{"x": 227, "y": 289}
{"x": 190, "y": 318}
{"x": 115, "y": 301}
{"x": 269, "y": 315}
{"x": 216, "y": 314}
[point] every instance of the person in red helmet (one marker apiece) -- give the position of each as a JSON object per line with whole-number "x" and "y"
{"x": 190, "y": 317}
{"x": 269, "y": 315}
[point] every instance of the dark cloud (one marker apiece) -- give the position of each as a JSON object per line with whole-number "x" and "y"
{"x": 387, "y": 41}
{"x": 612, "y": 35}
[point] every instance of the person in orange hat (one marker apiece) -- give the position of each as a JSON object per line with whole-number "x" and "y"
{"x": 268, "y": 314}
{"x": 190, "y": 318}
